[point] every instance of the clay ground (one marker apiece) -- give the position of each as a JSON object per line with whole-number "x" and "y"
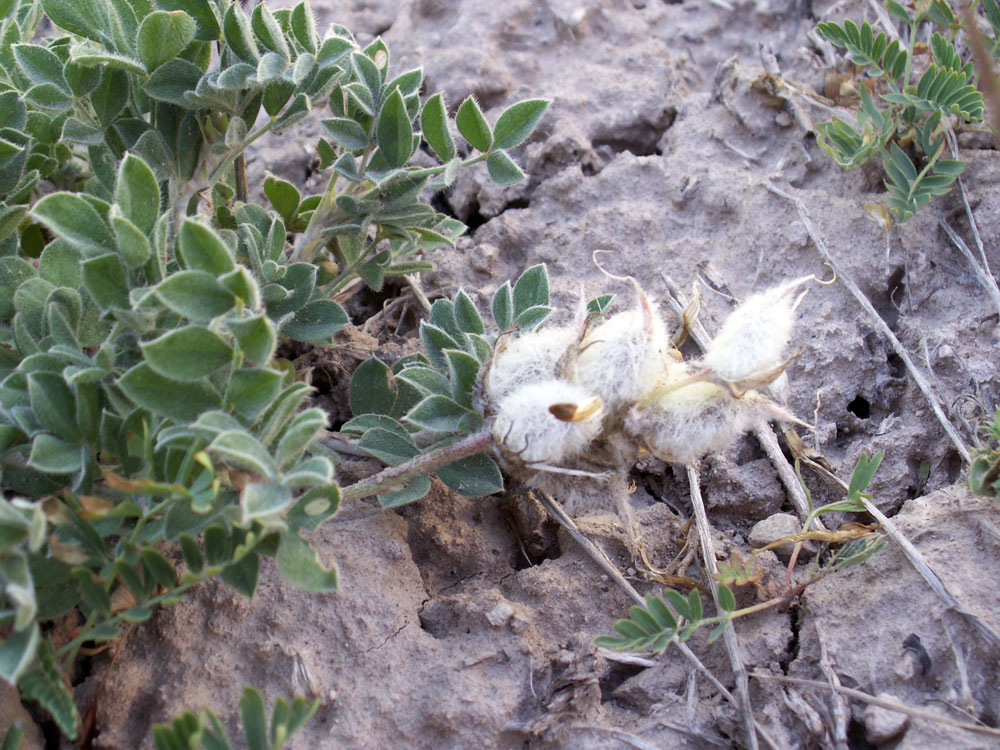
{"x": 470, "y": 623}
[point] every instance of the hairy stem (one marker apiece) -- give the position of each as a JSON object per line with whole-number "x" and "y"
{"x": 396, "y": 476}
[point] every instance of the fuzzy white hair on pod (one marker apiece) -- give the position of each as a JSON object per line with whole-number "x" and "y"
{"x": 529, "y": 358}
{"x": 528, "y": 432}
{"x": 754, "y": 337}
{"x": 625, "y": 356}
{"x": 695, "y": 419}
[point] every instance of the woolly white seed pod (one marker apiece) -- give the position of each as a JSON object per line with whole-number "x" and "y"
{"x": 528, "y": 358}
{"x": 625, "y": 356}
{"x": 546, "y": 422}
{"x": 696, "y": 418}
{"x": 753, "y": 340}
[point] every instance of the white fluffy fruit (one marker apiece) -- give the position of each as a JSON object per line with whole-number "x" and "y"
{"x": 528, "y": 432}
{"x": 528, "y": 358}
{"x": 696, "y": 419}
{"x": 753, "y": 340}
{"x": 625, "y": 356}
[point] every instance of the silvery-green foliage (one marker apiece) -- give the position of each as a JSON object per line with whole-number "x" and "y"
{"x": 143, "y": 296}
{"x": 946, "y": 89}
{"x": 428, "y": 400}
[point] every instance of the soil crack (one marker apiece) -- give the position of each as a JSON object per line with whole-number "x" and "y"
{"x": 387, "y": 638}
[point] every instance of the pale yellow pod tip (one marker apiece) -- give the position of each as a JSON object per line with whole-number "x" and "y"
{"x": 581, "y": 412}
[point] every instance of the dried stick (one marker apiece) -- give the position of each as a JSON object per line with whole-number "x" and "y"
{"x": 841, "y": 710}
{"x": 984, "y": 278}
{"x": 990, "y": 82}
{"x": 891, "y": 705}
{"x": 418, "y": 291}
{"x": 925, "y": 570}
{"x": 953, "y": 145}
{"x": 765, "y": 435}
{"x": 729, "y": 634}
{"x": 876, "y": 319}
{"x": 556, "y": 511}
{"x": 982, "y": 269}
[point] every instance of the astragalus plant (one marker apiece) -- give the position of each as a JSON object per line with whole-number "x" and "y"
{"x": 582, "y": 398}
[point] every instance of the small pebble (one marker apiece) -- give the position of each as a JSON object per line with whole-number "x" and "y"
{"x": 882, "y": 724}
{"x": 798, "y": 235}
{"x": 775, "y": 527}
{"x": 500, "y": 614}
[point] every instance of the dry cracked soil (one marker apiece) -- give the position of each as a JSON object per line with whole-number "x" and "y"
{"x": 470, "y": 623}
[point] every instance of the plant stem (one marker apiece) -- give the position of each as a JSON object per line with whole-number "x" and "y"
{"x": 910, "y": 42}
{"x": 394, "y": 476}
{"x": 237, "y": 151}
{"x": 429, "y": 171}
{"x": 306, "y": 244}
{"x": 241, "y": 177}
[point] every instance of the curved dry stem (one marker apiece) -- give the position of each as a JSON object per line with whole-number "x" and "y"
{"x": 882, "y": 703}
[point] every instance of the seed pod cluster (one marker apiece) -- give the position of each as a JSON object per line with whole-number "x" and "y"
{"x": 553, "y": 392}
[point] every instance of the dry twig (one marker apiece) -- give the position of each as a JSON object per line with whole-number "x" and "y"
{"x": 729, "y": 634}
{"x": 877, "y": 320}
{"x": 556, "y": 511}
{"x": 891, "y": 705}
{"x": 984, "y": 278}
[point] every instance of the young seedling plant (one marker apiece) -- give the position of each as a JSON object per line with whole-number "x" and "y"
{"x": 897, "y": 110}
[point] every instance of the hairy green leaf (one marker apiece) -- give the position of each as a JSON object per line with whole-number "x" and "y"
{"x": 75, "y": 220}
{"x": 394, "y": 132}
{"x": 531, "y": 290}
{"x": 298, "y": 564}
{"x": 517, "y": 122}
{"x": 202, "y": 249}
{"x": 187, "y": 353}
{"x": 372, "y": 388}
{"x": 163, "y": 35}
{"x": 259, "y": 500}
{"x": 473, "y": 126}
{"x": 474, "y": 476}
{"x": 195, "y": 294}
{"x": 167, "y": 397}
{"x": 434, "y": 123}
{"x": 503, "y": 170}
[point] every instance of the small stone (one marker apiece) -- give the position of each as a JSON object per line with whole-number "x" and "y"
{"x": 517, "y": 625}
{"x": 783, "y": 119}
{"x": 630, "y": 572}
{"x": 908, "y": 666}
{"x": 798, "y": 235}
{"x": 883, "y": 724}
{"x": 500, "y": 614}
{"x": 483, "y": 257}
{"x": 775, "y": 527}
